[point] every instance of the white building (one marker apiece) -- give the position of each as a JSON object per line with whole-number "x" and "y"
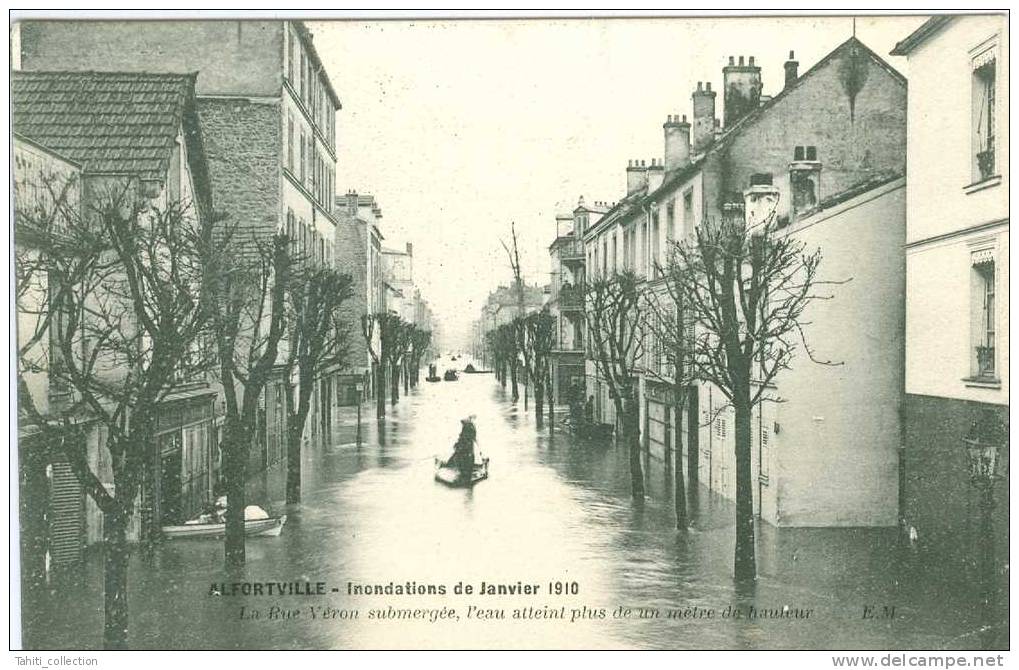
{"x": 956, "y": 259}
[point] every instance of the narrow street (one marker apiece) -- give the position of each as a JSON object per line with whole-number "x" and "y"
{"x": 553, "y": 509}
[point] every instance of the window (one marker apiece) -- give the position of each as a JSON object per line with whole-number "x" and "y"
{"x": 615, "y": 251}
{"x": 303, "y": 90}
{"x": 688, "y": 222}
{"x": 984, "y": 80}
{"x": 290, "y": 228}
{"x": 290, "y": 141}
{"x": 655, "y": 245}
{"x": 304, "y": 159}
{"x": 670, "y": 221}
{"x": 983, "y": 317}
{"x": 290, "y": 57}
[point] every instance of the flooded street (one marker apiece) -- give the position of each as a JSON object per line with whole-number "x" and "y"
{"x": 554, "y": 509}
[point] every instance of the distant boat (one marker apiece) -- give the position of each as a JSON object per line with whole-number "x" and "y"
{"x": 450, "y": 376}
{"x": 451, "y": 476}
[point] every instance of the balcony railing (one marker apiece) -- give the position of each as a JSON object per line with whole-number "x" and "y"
{"x": 570, "y": 249}
{"x": 985, "y": 362}
{"x": 571, "y": 297}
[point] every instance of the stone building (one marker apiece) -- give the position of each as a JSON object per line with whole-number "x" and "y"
{"x": 830, "y": 134}
{"x": 566, "y": 301}
{"x": 359, "y": 252}
{"x": 957, "y": 273}
{"x": 268, "y": 114}
{"x": 138, "y": 131}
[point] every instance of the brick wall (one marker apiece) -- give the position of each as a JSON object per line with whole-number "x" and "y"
{"x": 242, "y": 146}
{"x": 352, "y": 257}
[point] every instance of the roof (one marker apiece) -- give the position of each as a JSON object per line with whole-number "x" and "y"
{"x": 678, "y": 176}
{"x": 920, "y": 35}
{"x": 109, "y": 122}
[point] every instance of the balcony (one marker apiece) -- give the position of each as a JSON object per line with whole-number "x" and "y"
{"x": 571, "y": 298}
{"x": 570, "y": 249}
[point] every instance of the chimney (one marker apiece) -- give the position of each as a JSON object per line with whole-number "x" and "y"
{"x": 791, "y": 66}
{"x": 636, "y": 176}
{"x": 742, "y": 95}
{"x": 410, "y": 249}
{"x": 655, "y": 174}
{"x": 677, "y": 143}
{"x": 703, "y": 116}
{"x": 352, "y": 203}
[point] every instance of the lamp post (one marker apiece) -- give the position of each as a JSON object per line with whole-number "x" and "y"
{"x": 359, "y": 387}
{"x": 983, "y": 441}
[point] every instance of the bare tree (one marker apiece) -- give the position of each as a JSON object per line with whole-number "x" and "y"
{"x": 246, "y": 280}
{"x": 124, "y": 311}
{"x": 746, "y": 290}
{"x": 518, "y": 283}
{"x": 669, "y": 325}
{"x": 420, "y": 342}
{"x": 317, "y": 343}
{"x": 385, "y": 325}
{"x": 536, "y": 335}
{"x": 614, "y": 312}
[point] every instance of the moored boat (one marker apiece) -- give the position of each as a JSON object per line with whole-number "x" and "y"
{"x": 450, "y": 376}
{"x": 271, "y": 527}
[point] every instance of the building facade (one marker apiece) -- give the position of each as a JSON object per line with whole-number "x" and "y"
{"x": 268, "y": 115}
{"x": 957, "y": 270}
{"x": 148, "y": 142}
{"x": 832, "y": 133}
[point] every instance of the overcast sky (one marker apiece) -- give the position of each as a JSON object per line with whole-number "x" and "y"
{"x": 460, "y": 127}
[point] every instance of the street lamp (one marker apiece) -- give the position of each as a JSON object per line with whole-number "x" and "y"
{"x": 359, "y": 387}
{"x": 983, "y": 441}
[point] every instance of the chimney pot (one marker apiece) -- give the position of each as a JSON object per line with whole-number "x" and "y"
{"x": 684, "y": 118}
{"x": 792, "y": 55}
{"x": 751, "y": 60}
{"x": 732, "y": 61}
{"x": 707, "y": 86}
{"x": 741, "y": 60}
{"x": 700, "y": 85}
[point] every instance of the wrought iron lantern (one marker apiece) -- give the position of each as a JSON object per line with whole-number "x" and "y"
{"x": 983, "y": 441}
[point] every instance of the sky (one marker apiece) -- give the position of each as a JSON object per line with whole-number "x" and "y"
{"x": 460, "y": 128}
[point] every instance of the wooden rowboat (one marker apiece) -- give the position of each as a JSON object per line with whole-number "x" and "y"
{"x": 451, "y": 476}
{"x": 271, "y": 527}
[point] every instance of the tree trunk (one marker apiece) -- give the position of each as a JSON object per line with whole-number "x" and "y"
{"x": 394, "y": 384}
{"x": 235, "y": 464}
{"x": 406, "y": 381}
{"x": 513, "y": 381}
{"x": 551, "y": 404}
{"x": 745, "y": 562}
{"x": 679, "y": 486}
{"x": 293, "y": 464}
{"x": 539, "y": 407}
{"x": 115, "y": 559}
{"x": 380, "y": 391}
{"x": 631, "y": 438}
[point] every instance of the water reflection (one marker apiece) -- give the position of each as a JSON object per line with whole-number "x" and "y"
{"x": 554, "y": 509}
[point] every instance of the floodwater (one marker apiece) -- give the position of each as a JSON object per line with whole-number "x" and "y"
{"x": 555, "y": 514}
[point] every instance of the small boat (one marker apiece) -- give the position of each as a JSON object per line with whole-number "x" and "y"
{"x": 436, "y": 378}
{"x": 450, "y": 376}
{"x": 271, "y": 527}
{"x": 451, "y": 476}
{"x": 432, "y": 375}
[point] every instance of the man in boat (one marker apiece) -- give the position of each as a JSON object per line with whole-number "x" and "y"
{"x": 463, "y": 451}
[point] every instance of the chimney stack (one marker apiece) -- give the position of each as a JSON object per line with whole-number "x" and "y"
{"x": 791, "y": 67}
{"x": 655, "y": 174}
{"x": 677, "y": 143}
{"x": 636, "y": 176}
{"x": 352, "y": 203}
{"x": 703, "y": 116}
{"x": 410, "y": 249}
{"x": 742, "y": 89}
